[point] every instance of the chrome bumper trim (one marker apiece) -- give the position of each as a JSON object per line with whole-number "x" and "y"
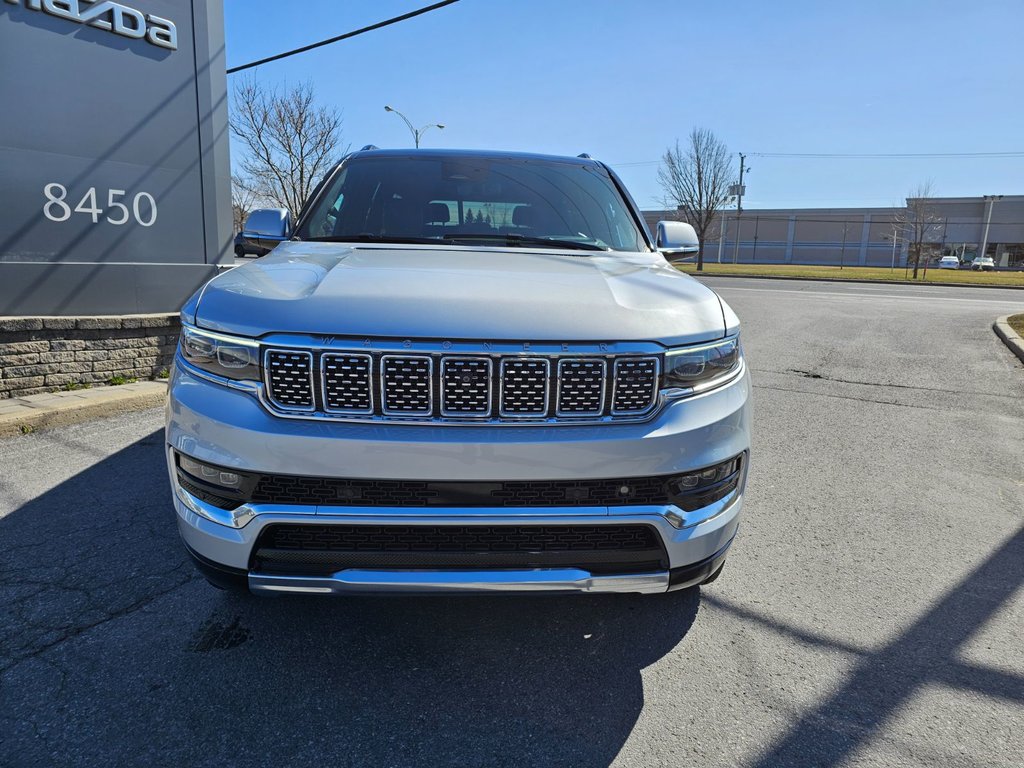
{"x": 553, "y": 580}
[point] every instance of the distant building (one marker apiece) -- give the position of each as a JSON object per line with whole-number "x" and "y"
{"x": 864, "y": 236}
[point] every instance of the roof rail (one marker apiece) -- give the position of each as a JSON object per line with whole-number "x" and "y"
{"x": 584, "y": 156}
{"x": 368, "y": 146}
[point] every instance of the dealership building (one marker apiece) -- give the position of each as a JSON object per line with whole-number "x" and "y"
{"x": 865, "y": 236}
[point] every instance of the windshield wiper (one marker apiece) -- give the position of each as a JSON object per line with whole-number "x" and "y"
{"x": 511, "y": 238}
{"x": 368, "y": 237}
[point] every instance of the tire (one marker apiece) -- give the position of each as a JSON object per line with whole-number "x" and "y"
{"x": 714, "y": 576}
{"x": 239, "y": 251}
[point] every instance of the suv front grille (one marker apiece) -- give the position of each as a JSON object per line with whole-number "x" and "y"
{"x": 406, "y": 387}
{"x": 491, "y": 388}
{"x": 290, "y": 378}
{"x": 524, "y": 387}
{"x": 314, "y": 548}
{"x": 347, "y": 383}
{"x": 465, "y": 386}
{"x": 581, "y": 387}
{"x": 636, "y": 381}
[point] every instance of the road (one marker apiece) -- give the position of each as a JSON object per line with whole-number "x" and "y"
{"x": 871, "y": 612}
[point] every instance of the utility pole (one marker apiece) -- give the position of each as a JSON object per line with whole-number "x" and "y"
{"x": 991, "y": 200}
{"x": 842, "y": 253}
{"x": 739, "y": 208}
{"x": 721, "y": 237}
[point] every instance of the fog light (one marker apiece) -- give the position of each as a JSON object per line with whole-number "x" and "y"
{"x": 215, "y": 485}
{"x": 700, "y": 489}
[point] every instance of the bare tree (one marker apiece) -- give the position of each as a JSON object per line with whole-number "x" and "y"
{"x": 289, "y": 141}
{"x": 244, "y": 199}
{"x": 918, "y": 222}
{"x": 696, "y": 180}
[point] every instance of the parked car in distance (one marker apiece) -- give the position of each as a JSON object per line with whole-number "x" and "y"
{"x": 244, "y": 247}
{"x": 949, "y": 262}
{"x": 460, "y": 371}
{"x": 984, "y": 263}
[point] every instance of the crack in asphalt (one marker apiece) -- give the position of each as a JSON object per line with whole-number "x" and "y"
{"x": 75, "y": 631}
{"x": 848, "y": 397}
{"x": 815, "y": 375}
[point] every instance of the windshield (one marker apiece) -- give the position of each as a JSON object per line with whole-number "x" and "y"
{"x": 508, "y": 201}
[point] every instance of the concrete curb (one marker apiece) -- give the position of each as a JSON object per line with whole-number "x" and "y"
{"x": 20, "y": 415}
{"x": 857, "y": 280}
{"x": 1009, "y": 336}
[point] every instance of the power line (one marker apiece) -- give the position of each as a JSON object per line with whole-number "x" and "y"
{"x": 311, "y": 46}
{"x": 885, "y": 155}
{"x": 856, "y": 156}
{"x": 751, "y": 213}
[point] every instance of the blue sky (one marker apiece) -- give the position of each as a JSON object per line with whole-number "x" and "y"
{"x": 622, "y": 79}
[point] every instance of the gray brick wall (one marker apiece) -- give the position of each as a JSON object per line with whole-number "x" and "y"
{"x": 45, "y": 354}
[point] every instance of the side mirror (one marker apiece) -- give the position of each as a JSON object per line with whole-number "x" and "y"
{"x": 677, "y": 239}
{"x": 268, "y": 224}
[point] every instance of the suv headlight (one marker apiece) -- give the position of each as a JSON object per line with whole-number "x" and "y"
{"x": 230, "y": 357}
{"x": 696, "y": 369}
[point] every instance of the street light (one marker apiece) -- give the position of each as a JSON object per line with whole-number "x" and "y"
{"x": 416, "y": 132}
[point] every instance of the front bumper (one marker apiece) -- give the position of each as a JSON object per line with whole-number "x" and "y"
{"x": 230, "y": 428}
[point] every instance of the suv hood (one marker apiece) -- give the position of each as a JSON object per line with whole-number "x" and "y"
{"x": 459, "y": 292}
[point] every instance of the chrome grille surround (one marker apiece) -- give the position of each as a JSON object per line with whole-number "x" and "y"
{"x": 407, "y": 385}
{"x": 581, "y": 386}
{"x": 288, "y": 375}
{"x": 462, "y": 406}
{"x": 524, "y": 382}
{"x": 461, "y": 393}
{"x": 627, "y": 384}
{"x": 342, "y": 378}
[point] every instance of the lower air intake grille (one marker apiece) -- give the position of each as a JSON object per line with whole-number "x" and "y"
{"x": 298, "y": 489}
{"x": 328, "y": 548}
{"x": 460, "y": 538}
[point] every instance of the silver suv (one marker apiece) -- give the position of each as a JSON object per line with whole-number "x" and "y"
{"x": 460, "y": 372}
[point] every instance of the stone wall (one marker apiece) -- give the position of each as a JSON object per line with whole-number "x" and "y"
{"x": 45, "y": 354}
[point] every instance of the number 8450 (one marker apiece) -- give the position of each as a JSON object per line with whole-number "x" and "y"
{"x": 56, "y": 207}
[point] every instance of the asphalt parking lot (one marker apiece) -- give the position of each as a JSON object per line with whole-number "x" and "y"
{"x": 871, "y": 612}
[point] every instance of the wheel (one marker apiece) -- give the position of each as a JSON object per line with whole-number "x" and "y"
{"x": 714, "y": 576}
{"x": 239, "y": 251}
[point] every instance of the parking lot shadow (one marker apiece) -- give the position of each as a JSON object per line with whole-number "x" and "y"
{"x": 109, "y": 621}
